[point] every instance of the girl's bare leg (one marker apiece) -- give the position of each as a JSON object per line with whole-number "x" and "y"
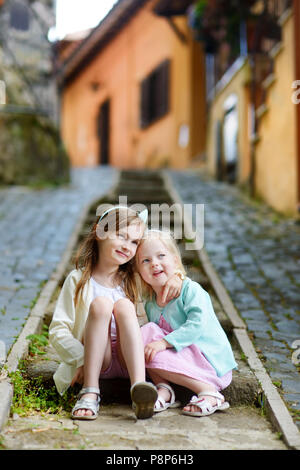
{"x": 164, "y": 376}
{"x": 130, "y": 347}
{"x": 157, "y": 379}
{"x": 97, "y": 348}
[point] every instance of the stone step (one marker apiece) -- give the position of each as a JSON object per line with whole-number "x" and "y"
{"x": 138, "y": 175}
{"x": 243, "y": 390}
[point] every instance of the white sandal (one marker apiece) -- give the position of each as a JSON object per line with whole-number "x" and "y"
{"x": 161, "y": 404}
{"x": 87, "y": 404}
{"x": 143, "y": 395}
{"x": 205, "y": 407}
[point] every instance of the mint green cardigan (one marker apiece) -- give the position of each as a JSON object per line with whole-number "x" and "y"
{"x": 193, "y": 321}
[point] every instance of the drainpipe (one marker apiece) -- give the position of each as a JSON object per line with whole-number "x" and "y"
{"x": 296, "y": 15}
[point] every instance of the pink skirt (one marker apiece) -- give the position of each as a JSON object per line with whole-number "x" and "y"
{"x": 190, "y": 361}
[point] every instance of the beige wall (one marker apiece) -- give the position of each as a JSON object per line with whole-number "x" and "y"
{"x": 275, "y": 148}
{"x": 276, "y": 175}
{"x": 141, "y": 46}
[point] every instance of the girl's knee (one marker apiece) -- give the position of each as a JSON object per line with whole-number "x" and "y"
{"x": 101, "y": 306}
{"x": 123, "y": 307}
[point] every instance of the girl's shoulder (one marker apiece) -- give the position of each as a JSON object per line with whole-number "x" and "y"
{"x": 191, "y": 288}
{"x": 74, "y": 276}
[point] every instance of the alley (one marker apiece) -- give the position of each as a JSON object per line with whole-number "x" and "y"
{"x": 243, "y": 426}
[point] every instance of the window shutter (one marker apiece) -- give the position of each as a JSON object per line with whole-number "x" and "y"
{"x": 155, "y": 94}
{"x": 162, "y": 92}
{"x": 145, "y": 103}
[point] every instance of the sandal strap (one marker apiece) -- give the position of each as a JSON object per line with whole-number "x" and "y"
{"x": 85, "y": 390}
{"x": 170, "y": 389}
{"x": 211, "y": 394}
{"x": 160, "y": 403}
{"x": 87, "y": 404}
{"x": 200, "y": 403}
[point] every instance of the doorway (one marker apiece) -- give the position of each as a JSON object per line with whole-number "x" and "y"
{"x": 103, "y": 129}
{"x": 230, "y": 138}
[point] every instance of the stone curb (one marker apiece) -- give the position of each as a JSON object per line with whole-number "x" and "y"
{"x": 36, "y": 317}
{"x": 277, "y": 411}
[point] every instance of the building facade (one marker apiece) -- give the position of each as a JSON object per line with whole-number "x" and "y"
{"x": 133, "y": 92}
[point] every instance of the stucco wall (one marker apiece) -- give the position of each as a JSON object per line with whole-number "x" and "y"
{"x": 276, "y": 149}
{"x": 142, "y": 45}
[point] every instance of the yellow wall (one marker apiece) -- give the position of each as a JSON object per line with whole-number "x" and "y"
{"x": 276, "y": 175}
{"x": 141, "y": 46}
{"x": 239, "y": 86}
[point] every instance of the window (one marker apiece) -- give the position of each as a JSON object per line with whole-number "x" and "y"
{"x": 155, "y": 94}
{"x": 19, "y": 16}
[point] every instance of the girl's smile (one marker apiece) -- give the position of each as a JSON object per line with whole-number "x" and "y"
{"x": 118, "y": 248}
{"x": 155, "y": 263}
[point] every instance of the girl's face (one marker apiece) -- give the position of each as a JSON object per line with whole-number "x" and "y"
{"x": 155, "y": 263}
{"x": 121, "y": 247}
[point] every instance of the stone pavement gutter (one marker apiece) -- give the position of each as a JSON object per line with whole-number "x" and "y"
{"x": 277, "y": 410}
{"x": 190, "y": 189}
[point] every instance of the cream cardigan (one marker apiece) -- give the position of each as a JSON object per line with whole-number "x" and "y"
{"x": 67, "y": 328}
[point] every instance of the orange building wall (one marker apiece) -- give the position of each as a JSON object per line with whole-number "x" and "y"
{"x": 142, "y": 45}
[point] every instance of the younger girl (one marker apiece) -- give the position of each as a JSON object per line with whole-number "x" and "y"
{"x": 184, "y": 341}
{"x": 95, "y": 328}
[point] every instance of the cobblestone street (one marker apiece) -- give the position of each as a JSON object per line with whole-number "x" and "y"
{"x": 35, "y": 226}
{"x": 253, "y": 250}
{"x": 256, "y": 254}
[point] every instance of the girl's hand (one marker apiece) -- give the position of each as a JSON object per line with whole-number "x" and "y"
{"x": 153, "y": 348}
{"x": 78, "y": 377}
{"x": 171, "y": 290}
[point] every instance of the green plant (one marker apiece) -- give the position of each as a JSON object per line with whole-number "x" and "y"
{"x": 31, "y": 395}
{"x": 38, "y": 342}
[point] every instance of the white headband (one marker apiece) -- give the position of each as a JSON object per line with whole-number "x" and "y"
{"x": 142, "y": 215}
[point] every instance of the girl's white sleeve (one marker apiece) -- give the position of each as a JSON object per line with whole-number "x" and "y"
{"x": 61, "y": 335}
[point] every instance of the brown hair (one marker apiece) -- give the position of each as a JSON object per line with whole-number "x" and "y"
{"x": 87, "y": 255}
{"x": 167, "y": 238}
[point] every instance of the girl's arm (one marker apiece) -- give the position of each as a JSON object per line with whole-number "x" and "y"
{"x": 61, "y": 335}
{"x": 196, "y": 306}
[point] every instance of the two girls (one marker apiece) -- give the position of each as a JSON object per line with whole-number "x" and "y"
{"x": 94, "y": 327}
{"x": 96, "y": 332}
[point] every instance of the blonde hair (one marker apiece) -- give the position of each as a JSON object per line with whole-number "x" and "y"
{"x": 87, "y": 255}
{"x": 167, "y": 238}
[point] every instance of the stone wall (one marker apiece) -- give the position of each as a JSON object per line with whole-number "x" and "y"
{"x": 31, "y": 151}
